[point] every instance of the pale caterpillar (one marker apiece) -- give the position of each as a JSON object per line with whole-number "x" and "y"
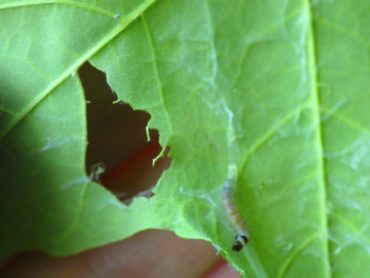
{"x": 242, "y": 236}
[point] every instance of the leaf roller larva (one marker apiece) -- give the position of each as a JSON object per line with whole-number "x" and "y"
{"x": 242, "y": 236}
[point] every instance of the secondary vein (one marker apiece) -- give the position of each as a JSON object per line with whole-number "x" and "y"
{"x": 90, "y": 8}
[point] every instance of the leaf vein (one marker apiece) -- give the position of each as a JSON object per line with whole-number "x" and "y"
{"x": 83, "y": 6}
{"x": 313, "y": 74}
{"x": 156, "y": 71}
{"x": 270, "y": 133}
{"x": 294, "y": 255}
{"x": 263, "y": 33}
{"x": 340, "y": 117}
{"x": 352, "y": 227}
{"x": 344, "y": 31}
{"x": 74, "y": 224}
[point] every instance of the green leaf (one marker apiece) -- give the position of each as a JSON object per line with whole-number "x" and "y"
{"x": 277, "y": 88}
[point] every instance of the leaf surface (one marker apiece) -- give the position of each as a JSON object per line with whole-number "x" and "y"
{"x": 277, "y": 88}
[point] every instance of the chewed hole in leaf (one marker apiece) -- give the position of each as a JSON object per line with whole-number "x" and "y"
{"x": 119, "y": 156}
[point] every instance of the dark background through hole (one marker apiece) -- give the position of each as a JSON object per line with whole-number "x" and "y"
{"x": 117, "y": 139}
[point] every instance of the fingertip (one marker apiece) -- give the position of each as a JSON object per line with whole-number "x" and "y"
{"x": 222, "y": 270}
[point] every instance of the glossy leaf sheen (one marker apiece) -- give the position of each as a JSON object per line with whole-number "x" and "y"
{"x": 278, "y": 88}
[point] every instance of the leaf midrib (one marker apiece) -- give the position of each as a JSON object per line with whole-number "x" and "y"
{"x": 311, "y": 51}
{"x": 74, "y": 67}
